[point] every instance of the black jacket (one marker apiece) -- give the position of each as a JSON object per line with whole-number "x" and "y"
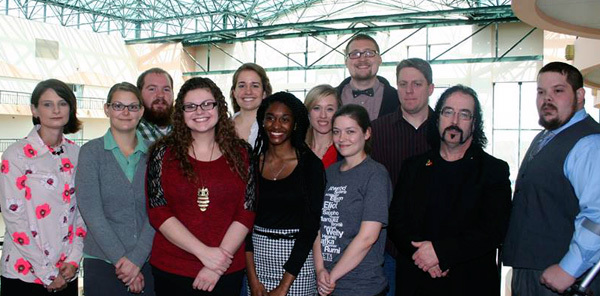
{"x": 474, "y": 229}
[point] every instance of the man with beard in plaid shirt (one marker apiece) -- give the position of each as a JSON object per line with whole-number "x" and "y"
{"x": 156, "y": 86}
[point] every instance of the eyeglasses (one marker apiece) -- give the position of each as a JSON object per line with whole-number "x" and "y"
{"x": 206, "y": 106}
{"x": 462, "y": 115}
{"x": 118, "y": 106}
{"x": 357, "y": 54}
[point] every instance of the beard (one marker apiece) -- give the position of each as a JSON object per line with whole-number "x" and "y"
{"x": 457, "y": 129}
{"x": 555, "y": 122}
{"x": 359, "y": 75}
{"x": 161, "y": 118}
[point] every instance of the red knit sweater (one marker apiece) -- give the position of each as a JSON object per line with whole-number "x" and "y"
{"x": 226, "y": 192}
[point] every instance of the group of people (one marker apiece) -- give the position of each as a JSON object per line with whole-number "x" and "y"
{"x": 361, "y": 190}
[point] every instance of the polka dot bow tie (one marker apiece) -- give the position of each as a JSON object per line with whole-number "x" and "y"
{"x": 368, "y": 92}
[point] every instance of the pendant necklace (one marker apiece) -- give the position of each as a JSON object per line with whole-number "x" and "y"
{"x": 279, "y": 172}
{"x": 202, "y": 195}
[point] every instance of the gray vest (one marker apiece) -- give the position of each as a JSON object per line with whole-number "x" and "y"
{"x": 544, "y": 203}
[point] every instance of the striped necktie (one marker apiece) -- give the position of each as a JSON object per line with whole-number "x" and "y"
{"x": 542, "y": 141}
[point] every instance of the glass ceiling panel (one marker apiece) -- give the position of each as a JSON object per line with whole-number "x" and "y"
{"x": 226, "y": 20}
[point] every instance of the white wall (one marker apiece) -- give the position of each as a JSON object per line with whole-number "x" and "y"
{"x": 95, "y": 60}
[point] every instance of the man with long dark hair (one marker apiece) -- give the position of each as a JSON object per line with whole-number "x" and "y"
{"x": 451, "y": 206}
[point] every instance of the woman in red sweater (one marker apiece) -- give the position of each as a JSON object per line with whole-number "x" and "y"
{"x": 198, "y": 177}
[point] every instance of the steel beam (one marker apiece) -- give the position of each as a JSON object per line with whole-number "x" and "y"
{"x": 385, "y": 64}
{"x": 404, "y": 20}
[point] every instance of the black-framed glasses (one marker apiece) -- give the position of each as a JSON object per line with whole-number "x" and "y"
{"x": 357, "y": 54}
{"x": 462, "y": 115}
{"x": 118, "y": 106}
{"x": 206, "y": 106}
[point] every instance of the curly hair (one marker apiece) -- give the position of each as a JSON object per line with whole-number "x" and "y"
{"x": 264, "y": 79}
{"x": 180, "y": 138}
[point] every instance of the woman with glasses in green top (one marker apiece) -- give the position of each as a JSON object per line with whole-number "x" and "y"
{"x": 110, "y": 184}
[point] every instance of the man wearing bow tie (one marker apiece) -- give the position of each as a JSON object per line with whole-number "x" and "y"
{"x": 364, "y": 87}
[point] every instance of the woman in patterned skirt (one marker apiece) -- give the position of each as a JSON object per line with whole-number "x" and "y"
{"x": 290, "y": 186}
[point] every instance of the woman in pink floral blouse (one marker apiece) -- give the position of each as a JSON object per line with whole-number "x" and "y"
{"x": 44, "y": 232}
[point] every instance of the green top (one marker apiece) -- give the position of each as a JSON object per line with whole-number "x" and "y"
{"x": 127, "y": 164}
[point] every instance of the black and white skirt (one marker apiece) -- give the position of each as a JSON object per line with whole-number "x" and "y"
{"x": 272, "y": 248}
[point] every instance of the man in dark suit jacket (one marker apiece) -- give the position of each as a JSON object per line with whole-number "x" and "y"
{"x": 451, "y": 206}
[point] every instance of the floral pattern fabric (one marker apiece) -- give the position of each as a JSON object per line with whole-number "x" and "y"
{"x": 44, "y": 229}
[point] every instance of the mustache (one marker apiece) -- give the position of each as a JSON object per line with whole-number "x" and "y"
{"x": 548, "y": 106}
{"x": 159, "y": 101}
{"x": 453, "y": 127}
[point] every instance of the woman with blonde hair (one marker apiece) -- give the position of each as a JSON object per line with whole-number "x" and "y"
{"x": 322, "y": 101}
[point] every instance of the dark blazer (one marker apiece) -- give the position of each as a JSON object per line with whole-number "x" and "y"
{"x": 475, "y": 227}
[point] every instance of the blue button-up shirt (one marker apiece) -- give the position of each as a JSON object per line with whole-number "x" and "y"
{"x": 582, "y": 169}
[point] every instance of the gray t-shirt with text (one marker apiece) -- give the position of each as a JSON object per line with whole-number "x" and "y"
{"x": 362, "y": 193}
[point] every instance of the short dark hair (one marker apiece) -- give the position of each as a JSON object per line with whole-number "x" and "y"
{"x": 359, "y": 114}
{"x": 125, "y": 86}
{"x": 574, "y": 77}
{"x": 264, "y": 79}
{"x": 361, "y": 37}
{"x": 479, "y": 138}
{"x": 63, "y": 91}
{"x": 421, "y": 65}
{"x": 140, "y": 80}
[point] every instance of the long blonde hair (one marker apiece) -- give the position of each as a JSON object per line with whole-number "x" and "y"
{"x": 314, "y": 95}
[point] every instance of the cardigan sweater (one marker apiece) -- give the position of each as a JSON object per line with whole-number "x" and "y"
{"x": 113, "y": 208}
